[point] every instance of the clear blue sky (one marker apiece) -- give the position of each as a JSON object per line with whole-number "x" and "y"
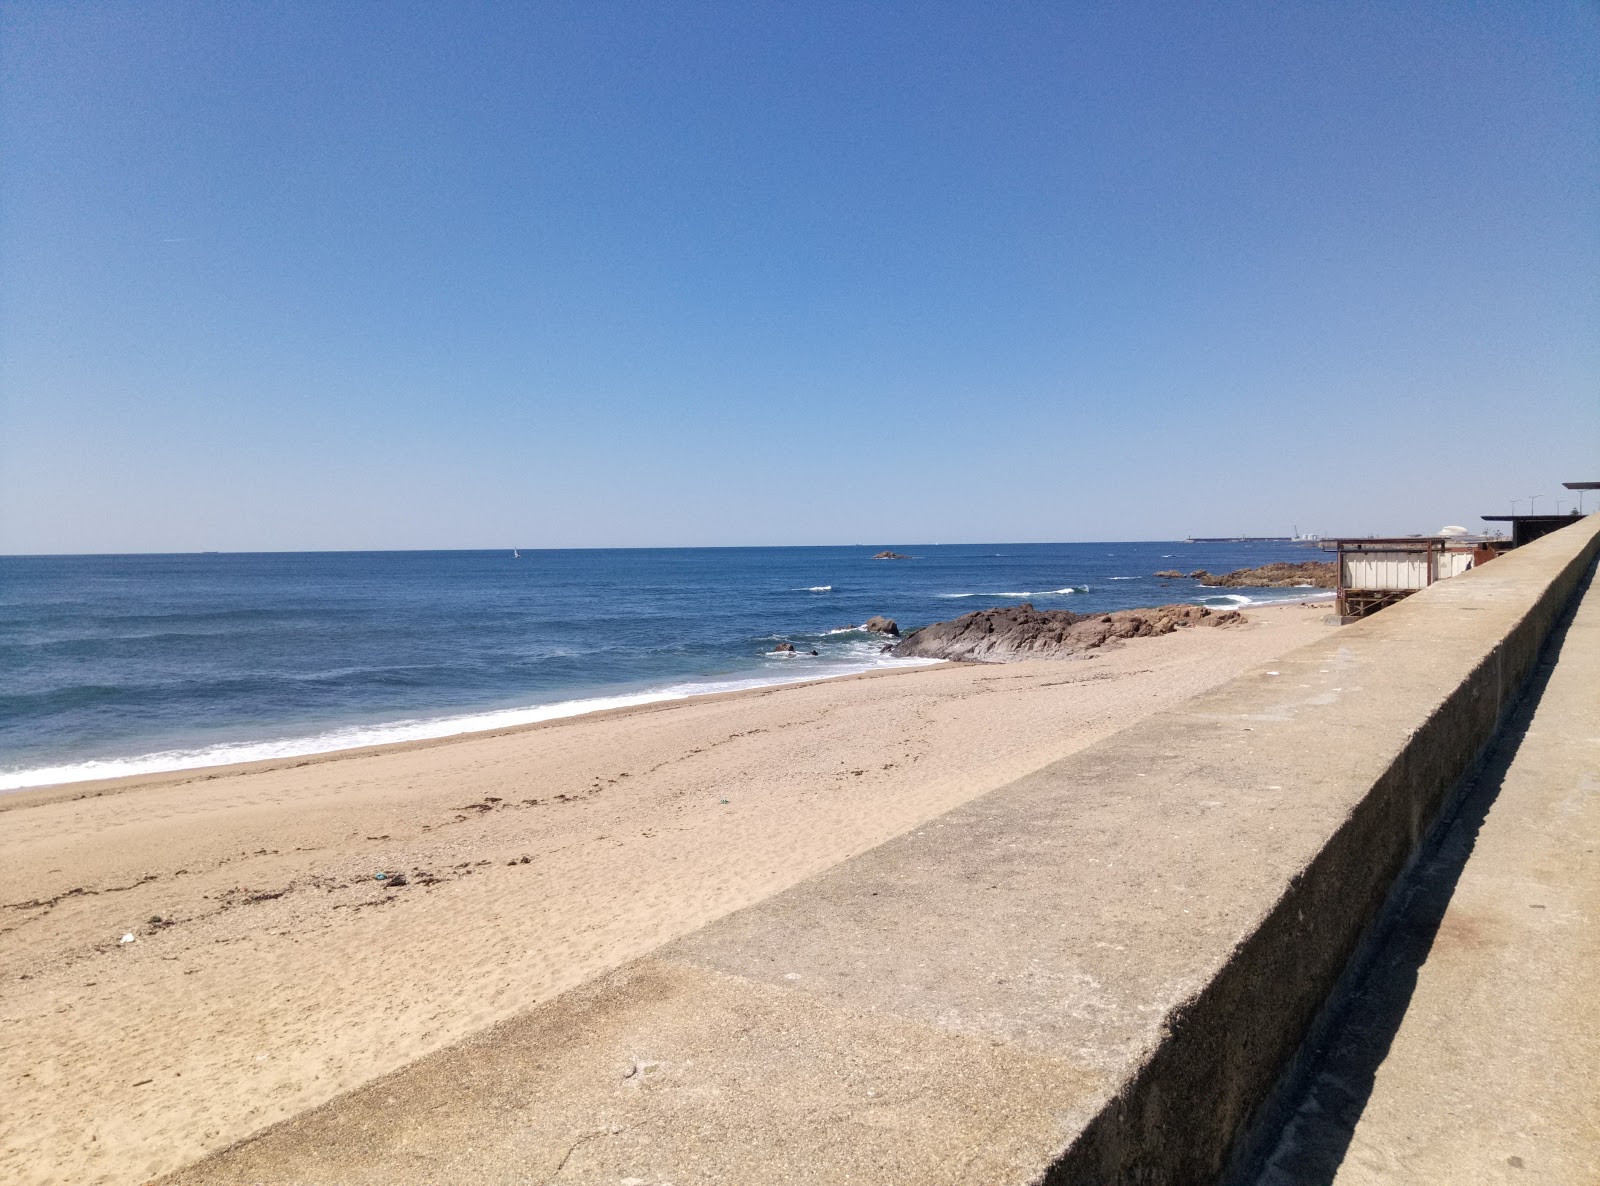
{"x": 324, "y": 275}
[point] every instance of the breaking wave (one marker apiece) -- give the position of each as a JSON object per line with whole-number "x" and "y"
{"x": 1065, "y": 591}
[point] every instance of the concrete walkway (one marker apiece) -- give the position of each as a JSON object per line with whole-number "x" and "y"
{"x": 1471, "y": 1053}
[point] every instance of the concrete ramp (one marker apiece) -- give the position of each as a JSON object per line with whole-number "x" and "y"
{"x": 1095, "y": 974}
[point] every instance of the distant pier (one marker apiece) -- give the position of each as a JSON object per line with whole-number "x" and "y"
{"x": 1243, "y": 539}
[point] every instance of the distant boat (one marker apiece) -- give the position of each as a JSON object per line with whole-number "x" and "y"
{"x": 516, "y": 555}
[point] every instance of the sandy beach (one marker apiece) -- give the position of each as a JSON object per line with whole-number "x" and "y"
{"x": 271, "y": 968}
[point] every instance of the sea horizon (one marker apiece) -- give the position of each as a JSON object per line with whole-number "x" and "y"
{"x": 1298, "y": 541}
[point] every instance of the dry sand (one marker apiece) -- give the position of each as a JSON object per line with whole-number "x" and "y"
{"x": 281, "y": 973}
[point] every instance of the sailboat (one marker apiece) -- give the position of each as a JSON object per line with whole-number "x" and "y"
{"x": 516, "y": 555}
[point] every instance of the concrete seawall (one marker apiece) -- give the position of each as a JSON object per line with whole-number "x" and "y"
{"x": 1095, "y": 974}
{"x": 1463, "y": 1048}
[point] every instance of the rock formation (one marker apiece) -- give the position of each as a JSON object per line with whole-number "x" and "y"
{"x": 891, "y": 556}
{"x": 1022, "y": 632}
{"x": 878, "y": 624}
{"x": 1169, "y": 574}
{"x": 786, "y": 648}
{"x": 1278, "y": 575}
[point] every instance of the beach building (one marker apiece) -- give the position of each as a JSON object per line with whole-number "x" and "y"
{"x": 1527, "y": 528}
{"x": 1377, "y": 572}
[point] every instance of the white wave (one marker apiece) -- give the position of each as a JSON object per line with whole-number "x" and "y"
{"x": 1291, "y": 596}
{"x": 1063, "y": 592}
{"x": 1295, "y": 594}
{"x": 859, "y": 658}
{"x": 818, "y": 589}
{"x": 1122, "y": 578}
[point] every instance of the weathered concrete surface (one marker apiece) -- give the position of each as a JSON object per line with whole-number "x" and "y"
{"x": 1471, "y": 1051}
{"x": 1091, "y": 975}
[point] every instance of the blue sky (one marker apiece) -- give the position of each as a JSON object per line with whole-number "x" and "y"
{"x": 282, "y": 276}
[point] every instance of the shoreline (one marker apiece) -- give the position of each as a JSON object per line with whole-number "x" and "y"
{"x": 450, "y": 728}
{"x": 178, "y": 776}
{"x": 531, "y": 715}
{"x": 274, "y": 957}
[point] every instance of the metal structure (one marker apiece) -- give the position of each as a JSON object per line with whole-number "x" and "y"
{"x": 1527, "y": 528}
{"x": 1377, "y": 572}
{"x": 1581, "y": 487}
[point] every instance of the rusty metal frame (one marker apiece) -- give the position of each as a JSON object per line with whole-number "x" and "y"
{"x": 1355, "y": 604}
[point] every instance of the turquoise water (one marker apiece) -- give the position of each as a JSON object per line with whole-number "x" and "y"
{"x": 122, "y": 664}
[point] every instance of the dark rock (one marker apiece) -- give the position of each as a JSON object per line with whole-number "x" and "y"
{"x": 786, "y": 648}
{"x": 881, "y": 625}
{"x": 1169, "y": 574}
{"x": 891, "y": 556}
{"x": 1022, "y": 632}
{"x": 1278, "y": 575}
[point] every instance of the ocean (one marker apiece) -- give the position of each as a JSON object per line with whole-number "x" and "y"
{"x": 114, "y": 665}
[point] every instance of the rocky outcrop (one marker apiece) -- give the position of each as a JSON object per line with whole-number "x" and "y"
{"x": 891, "y": 556}
{"x": 1022, "y": 632}
{"x": 783, "y": 648}
{"x": 1279, "y": 575}
{"x": 878, "y": 624}
{"x": 1169, "y": 574}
